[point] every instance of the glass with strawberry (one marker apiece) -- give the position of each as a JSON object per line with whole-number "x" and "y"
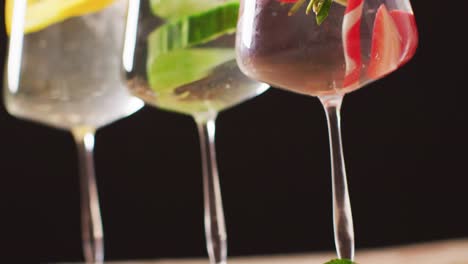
{"x": 326, "y": 49}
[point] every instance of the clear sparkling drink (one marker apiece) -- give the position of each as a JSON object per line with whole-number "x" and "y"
{"x": 70, "y": 73}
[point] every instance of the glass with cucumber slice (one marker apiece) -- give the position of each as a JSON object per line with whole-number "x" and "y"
{"x": 179, "y": 56}
{"x": 175, "y": 52}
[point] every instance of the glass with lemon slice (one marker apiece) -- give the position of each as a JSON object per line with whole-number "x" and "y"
{"x": 63, "y": 70}
{"x": 179, "y": 56}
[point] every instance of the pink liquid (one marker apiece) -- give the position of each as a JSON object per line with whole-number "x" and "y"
{"x": 294, "y": 53}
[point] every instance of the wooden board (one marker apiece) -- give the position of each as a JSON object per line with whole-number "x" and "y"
{"x": 444, "y": 252}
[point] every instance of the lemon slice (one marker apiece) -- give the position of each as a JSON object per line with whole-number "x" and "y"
{"x": 174, "y": 60}
{"x": 43, "y": 13}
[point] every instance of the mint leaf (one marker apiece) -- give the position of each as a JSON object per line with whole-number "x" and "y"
{"x": 321, "y": 9}
{"x": 340, "y": 261}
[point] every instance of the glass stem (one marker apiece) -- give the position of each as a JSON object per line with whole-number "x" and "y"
{"x": 91, "y": 223}
{"x": 342, "y": 216}
{"x": 215, "y": 229}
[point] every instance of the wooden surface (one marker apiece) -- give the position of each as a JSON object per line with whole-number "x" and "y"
{"x": 444, "y": 252}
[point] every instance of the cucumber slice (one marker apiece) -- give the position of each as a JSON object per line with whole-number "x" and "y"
{"x": 193, "y": 30}
{"x": 170, "y": 9}
{"x": 172, "y": 60}
{"x": 184, "y": 66}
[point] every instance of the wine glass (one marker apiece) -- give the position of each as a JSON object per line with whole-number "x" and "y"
{"x": 179, "y": 56}
{"x": 344, "y": 46}
{"x": 63, "y": 70}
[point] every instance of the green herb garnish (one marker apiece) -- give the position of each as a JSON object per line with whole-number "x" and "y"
{"x": 321, "y": 8}
{"x": 341, "y": 261}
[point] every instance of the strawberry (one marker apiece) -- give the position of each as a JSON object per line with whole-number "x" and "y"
{"x": 394, "y": 41}
{"x": 406, "y": 25}
{"x": 386, "y": 45}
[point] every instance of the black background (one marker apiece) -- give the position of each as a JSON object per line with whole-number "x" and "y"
{"x": 404, "y": 137}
